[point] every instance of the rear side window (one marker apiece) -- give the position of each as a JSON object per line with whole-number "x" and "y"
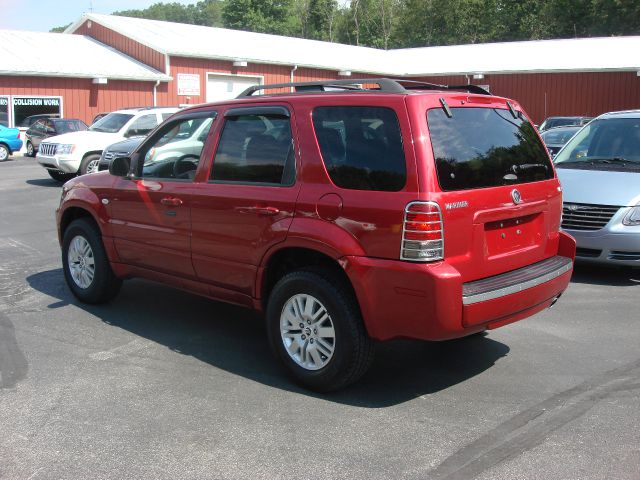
{"x": 485, "y": 147}
{"x": 255, "y": 149}
{"x": 361, "y": 147}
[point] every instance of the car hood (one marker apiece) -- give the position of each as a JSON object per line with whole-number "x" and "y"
{"x": 95, "y": 139}
{"x": 128, "y": 145}
{"x": 600, "y": 187}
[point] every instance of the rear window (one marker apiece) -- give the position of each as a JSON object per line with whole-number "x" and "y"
{"x": 66, "y": 126}
{"x": 485, "y": 147}
{"x": 361, "y": 147}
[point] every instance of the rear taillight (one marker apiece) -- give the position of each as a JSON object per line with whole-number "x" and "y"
{"x": 422, "y": 235}
{"x": 18, "y": 133}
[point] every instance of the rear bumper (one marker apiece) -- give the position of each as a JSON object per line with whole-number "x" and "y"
{"x": 14, "y": 145}
{"x": 431, "y": 301}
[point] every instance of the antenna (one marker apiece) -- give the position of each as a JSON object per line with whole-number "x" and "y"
{"x": 91, "y": 6}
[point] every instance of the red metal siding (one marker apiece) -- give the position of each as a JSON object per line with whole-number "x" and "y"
{"x": 168, "y": 94}
{"x": 550, "y": 94}
{"x": 130, "y": 47}
{"x": 81, "y": 98}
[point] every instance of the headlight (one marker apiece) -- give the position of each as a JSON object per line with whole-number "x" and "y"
{"x": 65, "y": 149}
{"x": 632, "y": 218}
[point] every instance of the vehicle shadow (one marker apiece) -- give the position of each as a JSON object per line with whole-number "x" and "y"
{"x": 602, "y": 275}
{"x": 44, "y": 182}
{"x": 234, "y": 339}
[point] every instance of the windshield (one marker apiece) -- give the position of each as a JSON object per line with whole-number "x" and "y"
{"x": 66, "y": 126}
{"x": 111, "y": 123}
{"x": 485, "y": 147}
{"x": 605, "y": 140}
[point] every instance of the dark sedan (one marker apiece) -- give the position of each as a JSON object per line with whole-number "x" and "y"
{"x": 120, "y": 149}
{"x": 50, "y": 127}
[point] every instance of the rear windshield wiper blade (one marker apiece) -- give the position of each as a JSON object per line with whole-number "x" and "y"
{"x": 528, "y": 166}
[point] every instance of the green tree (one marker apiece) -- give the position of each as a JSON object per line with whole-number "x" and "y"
{"x": 266, "y": 16}
{"x": 59, "y": 29}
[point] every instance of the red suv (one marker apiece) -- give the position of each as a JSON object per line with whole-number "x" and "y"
{"x": 346, "y": 211}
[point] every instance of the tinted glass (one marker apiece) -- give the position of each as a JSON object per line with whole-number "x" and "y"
{"x": 484, "y": 147}
{"x": 142, "y": 125}
{"x": 559, "y": 136}
{"x": 605, "y": 141}
{"x": 361, "y": 147}
{"x": 111, "y": 123}
{"x": 66, "y": 126}
{"x": 174, "y": 155}
{"x": 255, "y": 149}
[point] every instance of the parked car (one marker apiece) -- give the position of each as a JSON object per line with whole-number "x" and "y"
{"x": 78, "y": 153}
{"x": 344, "y": 216}
{"x": 556, "y": 137}
{"x": 50, "y": 127}
{"x": 599, "y": 169}
{"x": 9, "y": 142}
{"x": 118, "y": 149}
{"x": 31, "y": 119}
{"x": 552, "y": 122}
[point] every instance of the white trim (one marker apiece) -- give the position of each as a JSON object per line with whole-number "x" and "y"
{"x": 259, "y": 78}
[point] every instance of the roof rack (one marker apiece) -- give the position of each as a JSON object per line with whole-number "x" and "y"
{"x": 386, "y": 85}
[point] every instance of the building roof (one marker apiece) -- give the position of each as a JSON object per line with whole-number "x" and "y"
{"x": 177, "y": 39}
{"x": 57, "y": 55}
{"x": 184, "y": 40}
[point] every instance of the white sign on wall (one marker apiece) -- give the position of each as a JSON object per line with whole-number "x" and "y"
{"x": 189, "y": 84}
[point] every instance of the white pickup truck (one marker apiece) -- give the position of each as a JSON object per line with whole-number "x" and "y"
{"x": 77, "y": 153}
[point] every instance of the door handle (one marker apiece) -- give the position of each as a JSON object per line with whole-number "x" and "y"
{"x": 267, "y": 211}
{"x": 171, "y": 201}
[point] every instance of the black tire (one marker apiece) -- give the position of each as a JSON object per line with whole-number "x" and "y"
{"x": 4, "y": 153}
{"x": 60, "y": 177}
{"x": 353, "y": 349}
{"x": 31, "y": 152}
{"x": 104, "y": 285}
{"x": 93, "y": 160}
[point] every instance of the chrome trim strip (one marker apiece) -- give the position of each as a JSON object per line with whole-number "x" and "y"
{"x": 501, "y": 292}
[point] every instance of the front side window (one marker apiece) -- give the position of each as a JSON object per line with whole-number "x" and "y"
{"x": 485, "y": 147}
{"x": 111, "y": 123}
{"x": 143, "y": 125}
{"x": 255, "y": 148}
{"x": 175, "y": 153}
{"x": 361, "y": 147}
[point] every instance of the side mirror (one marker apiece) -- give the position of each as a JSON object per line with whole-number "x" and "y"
{"x": 120, "y": 166}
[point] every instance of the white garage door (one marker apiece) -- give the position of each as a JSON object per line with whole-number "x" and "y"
{"x": 223, "y": 87}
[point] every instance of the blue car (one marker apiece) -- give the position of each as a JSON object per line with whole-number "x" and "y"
{"x": 9, "y": 142}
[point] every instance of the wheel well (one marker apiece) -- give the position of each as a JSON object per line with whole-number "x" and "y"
{"x": 5, "y": 145}
{"x": 99, "y": 152}
{"x": 291, "y": 259}
{"x": 71, "y": 214}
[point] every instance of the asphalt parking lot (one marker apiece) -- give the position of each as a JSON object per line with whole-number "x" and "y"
{"x": 164, "y": 384}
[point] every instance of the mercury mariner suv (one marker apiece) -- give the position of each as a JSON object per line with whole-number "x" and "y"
{"x": 77, "y": 153}
{"x": 347, "y": 212}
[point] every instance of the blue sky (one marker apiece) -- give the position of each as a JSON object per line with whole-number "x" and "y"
{"x": 43, "y": 15}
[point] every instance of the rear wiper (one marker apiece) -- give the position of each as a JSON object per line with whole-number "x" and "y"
{"x": 528, "y": 166}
